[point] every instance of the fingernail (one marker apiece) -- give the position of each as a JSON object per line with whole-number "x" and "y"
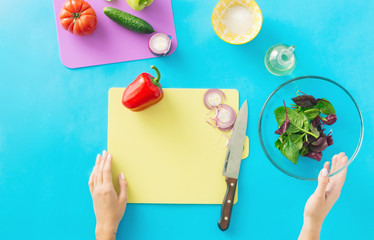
{"x": 109, "y": 156}
{"x": 324, "y": 172}
{"x": 122, "y": 176}
{"x": 104, "y": 152}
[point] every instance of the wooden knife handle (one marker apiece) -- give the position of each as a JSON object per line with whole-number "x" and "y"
{"x": 227, "y": 204}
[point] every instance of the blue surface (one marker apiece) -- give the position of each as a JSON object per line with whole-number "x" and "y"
{"x": 54, "y": 122}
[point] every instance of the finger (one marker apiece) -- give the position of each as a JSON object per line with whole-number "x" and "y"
{"x": 323, "y": 180}
{"x": 333, "y": 163}
{"x": 90, "y": 182}
{"x": 100, "y": 168}
{"x": 94, "y": 171}
{"x": 107, "y": 171}
{"x": 340, "y": 177}
{"x": 122, "y": 196}
{"x": 341, "y": 161}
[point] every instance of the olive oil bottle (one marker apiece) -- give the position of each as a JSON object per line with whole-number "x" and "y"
{"x": 280, "y": 59}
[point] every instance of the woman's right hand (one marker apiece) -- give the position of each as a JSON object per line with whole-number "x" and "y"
{"x": 109, "y": 206}
{"x": 321, "y": 201}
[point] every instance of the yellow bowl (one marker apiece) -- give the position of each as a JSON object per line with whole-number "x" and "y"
{"x": 231, "y": 37}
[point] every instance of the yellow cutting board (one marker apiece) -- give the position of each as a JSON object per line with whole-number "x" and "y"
{"x": 168, "y": 152}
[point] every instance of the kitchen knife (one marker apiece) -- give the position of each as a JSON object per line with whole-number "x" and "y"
{"x": 232, "y": 165}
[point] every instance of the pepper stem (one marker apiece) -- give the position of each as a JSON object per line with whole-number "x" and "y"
{"x": 158, "y": 77}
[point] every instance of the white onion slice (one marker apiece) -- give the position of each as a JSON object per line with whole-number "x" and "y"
{"x": 210, "y": 123}
{"x": 215, "y": 112}
{"x": 159, "y": 44}
{"x": 226, "y": 117}
{"x": 213, "y": 98}
{"x": 227, "y": 140}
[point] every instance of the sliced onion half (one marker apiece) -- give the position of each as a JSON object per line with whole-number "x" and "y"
{"x": 213, "y": 98}
{"x": 159, "y": 44}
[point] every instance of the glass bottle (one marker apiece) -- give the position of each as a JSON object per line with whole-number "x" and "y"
{"x": 280, "y": 59}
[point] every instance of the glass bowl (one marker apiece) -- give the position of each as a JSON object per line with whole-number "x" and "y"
{"x": 347, "y": 132}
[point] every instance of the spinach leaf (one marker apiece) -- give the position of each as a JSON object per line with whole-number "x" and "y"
{"x": 297, "y": 139}
{"x": 292, "y": 129}
{"x": 312, "y": 113}
{"x": 298, "y": 109}
{"x": 306, "y": 122}
{"x": 295, "y": 118}
{"x": 314, "y": 130}
{"x": 290, "y": 150}
{"x": 283, "y": 138}
{"x": 278, "y": 144}
{"x": 280, "y": 141}
{"x": 304, "y": 151}
{"x": 325, "y": 106}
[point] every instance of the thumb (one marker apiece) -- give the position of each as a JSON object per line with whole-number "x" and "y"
{"x": 323, "y": 180}
{"x": 122, "y": 196}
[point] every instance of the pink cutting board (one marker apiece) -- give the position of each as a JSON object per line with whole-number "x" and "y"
{"x": 111, "y": 43}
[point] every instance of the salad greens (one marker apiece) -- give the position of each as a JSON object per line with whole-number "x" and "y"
{"x": 301, "y": 127}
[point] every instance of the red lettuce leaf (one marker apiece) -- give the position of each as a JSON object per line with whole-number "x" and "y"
{"x": 330, "y": 119}
{"x": 315, "y": 155}
{"x": 319, "y": 145}
{"x": 305, "y": 101}
{"x": 311, "y": 139}
{"x": 282, "y": 129}
{"x": 317, "y": 121}
{"x": 285, "y": 125}
{"x": 329, "y": 140}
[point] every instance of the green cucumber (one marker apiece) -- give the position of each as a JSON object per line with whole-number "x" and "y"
{"x": 128, "y": 21}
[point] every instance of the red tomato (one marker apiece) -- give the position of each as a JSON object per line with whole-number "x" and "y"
{"x": 78, "y": 17}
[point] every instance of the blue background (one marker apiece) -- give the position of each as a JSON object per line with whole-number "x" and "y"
{"x": 54, "y": 121}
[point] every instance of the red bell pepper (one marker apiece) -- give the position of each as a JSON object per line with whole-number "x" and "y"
{"x": 143, "y": 92}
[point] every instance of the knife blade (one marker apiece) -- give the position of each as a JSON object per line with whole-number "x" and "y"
{"x": 232, "y": 165}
